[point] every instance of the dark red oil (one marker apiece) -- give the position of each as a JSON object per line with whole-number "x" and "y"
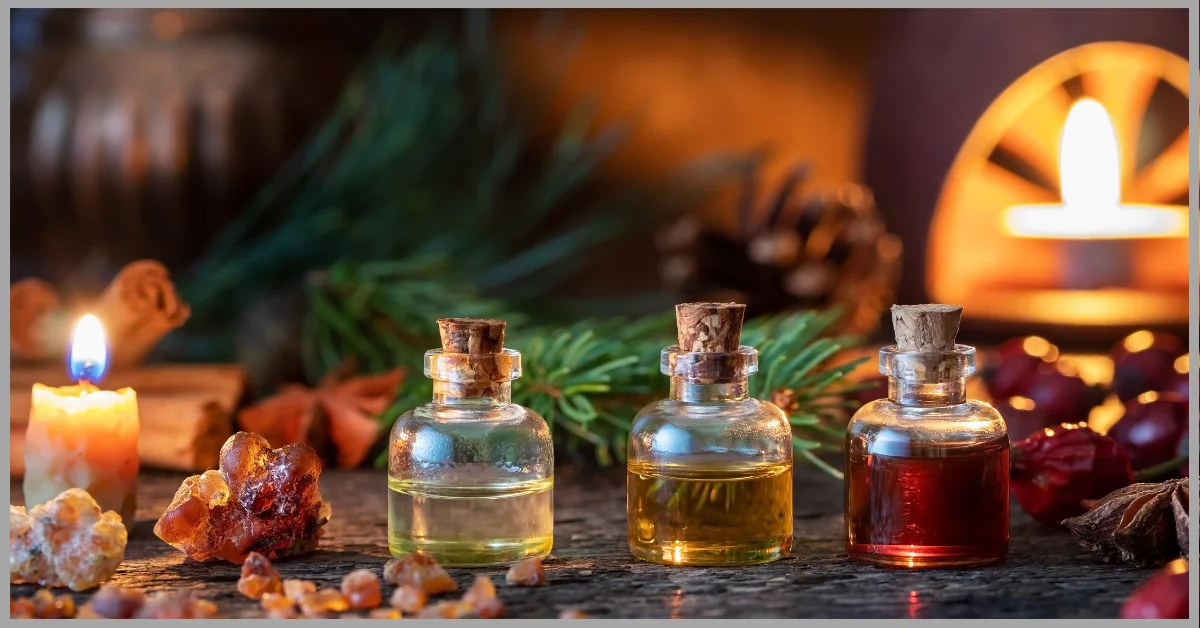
{"x": 927, "y": 506}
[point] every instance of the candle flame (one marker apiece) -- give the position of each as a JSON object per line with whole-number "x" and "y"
{"x": 1089, "y": 167}
{"x": 89, "y": 355}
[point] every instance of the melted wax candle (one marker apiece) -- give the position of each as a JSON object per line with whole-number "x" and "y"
{"x": 83, "y": 437}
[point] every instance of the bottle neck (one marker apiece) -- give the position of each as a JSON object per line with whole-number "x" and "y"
{"x": 472, "y": 393}
{"x": 693, "y": 391}
{"x": 911, "y": 392}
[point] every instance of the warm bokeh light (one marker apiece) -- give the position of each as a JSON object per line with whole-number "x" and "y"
{"x": 1148, "y": 397}
{"x": 1021, "y": 403}
{"x": 1039, "y": 347}
{"x": 1139, "y": 341}
{"x": 1090, "y": 178}
{"x": 89, "y": 355}
{"x": 1181, "y": 364}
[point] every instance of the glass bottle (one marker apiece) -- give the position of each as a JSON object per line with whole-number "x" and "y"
{"x": 471, "y": 474}
{"x": 926, "y": 468}
{"x": 710, "y": 468}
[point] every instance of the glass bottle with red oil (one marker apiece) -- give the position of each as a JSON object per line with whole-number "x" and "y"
{"x": 927, "y": 468}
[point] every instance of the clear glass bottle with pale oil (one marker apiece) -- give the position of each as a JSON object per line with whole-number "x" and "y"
{"x": 471, "y": 474}
{"x": 709, "y": 468}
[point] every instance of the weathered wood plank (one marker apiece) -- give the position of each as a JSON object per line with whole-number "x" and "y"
{"x": 1047, "y": 575}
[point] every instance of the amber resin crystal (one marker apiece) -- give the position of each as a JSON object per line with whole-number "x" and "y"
{"x": 260, "y": 500}
{"x": 65, "y": 542}
{"x": 1145, "y": 525}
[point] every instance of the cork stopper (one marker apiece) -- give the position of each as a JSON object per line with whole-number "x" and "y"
{"x": 709, "y": 327}
{"x": 474, "y": 336}
{"x": 929, "y": 328}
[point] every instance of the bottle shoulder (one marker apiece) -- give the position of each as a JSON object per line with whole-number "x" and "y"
{"x": 967, "y": 422}
{"x": 675, "y": 432}
{"x": 682, "y": 412}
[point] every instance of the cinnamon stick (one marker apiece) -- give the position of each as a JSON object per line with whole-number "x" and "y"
{"x": 33, "y": 304}
{"x": 138, "y": 308}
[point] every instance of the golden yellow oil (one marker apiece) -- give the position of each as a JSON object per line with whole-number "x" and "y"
{"x": 710, "y": 515}
{"x": 467, "y": 526}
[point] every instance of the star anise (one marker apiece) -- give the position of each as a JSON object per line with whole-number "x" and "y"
{"x": 1144, "y": 525}
{"x": 339, "y": 413}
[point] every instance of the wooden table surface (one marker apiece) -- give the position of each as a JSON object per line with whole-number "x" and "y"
{"x": 1046, "y": 576}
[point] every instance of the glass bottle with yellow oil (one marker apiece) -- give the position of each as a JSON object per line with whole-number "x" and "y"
{"x": 471, "y": 474}
{"x": 710, "y": 468}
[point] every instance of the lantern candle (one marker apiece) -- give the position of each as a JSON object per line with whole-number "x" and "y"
{"x": 81, "y": 436}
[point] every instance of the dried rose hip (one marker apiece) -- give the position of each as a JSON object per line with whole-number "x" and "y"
{"x": 1054, "y": 470}
{"x": 1152, "y": 429}
{"x": 1062, "y": 397}
{"x": 324, "y": 602}
{"x": 1144, "y": 361}
{"x": 297, "y": 589}
{"x": 1022, "y": 417}
{"x": 482, "y": 598}
{"x": 526, "y": 573}
{"x": 1163, "y": 596}
{"x": 1012, "y": 367}
{"x": 361, "y": 588}
{"x": 420, "y": 570}
{"x": 409, "y": 598}
{"x": 258, "y": 577}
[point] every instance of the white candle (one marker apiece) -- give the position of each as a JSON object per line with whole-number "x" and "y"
{"x": 84, "y": 437}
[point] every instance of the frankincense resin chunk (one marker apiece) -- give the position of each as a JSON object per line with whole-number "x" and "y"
{"x": 295, "y": 590}
{"x": 176, "y": 605}
{"x": 482, "y": 599}
{"x": 419, "y": 570}
{"x": 324, "y": 602}
{"x": 258, "y": 577}
{"x": 113, "y": 602}
{"x": 66, "y": 541}
{"x": 43, "y": 605}
{"x": 260, "y": 500}
{"x": 361, "y": 588}
{"x": 409, "y": 598}
{"x": 526, "y": 573}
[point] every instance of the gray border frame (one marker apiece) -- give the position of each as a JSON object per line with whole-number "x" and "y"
{"x": 1194, "y": 240}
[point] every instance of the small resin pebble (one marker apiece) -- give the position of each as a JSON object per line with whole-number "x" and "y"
{"x": 449, "y": 609}
{"x": 409, "y": 598}
{"x": 176, "y": 605}
{"x": 526, "y": 573}
{"x": 258, "y": 577}
{"x": 361, "y": 588}
{"x": 573, "y": 613}
{"x": 295, "y": 590}
{"x": 43, "y": 605}
{"x": 482, "y": 598}
{"x": 323, "y": 602}
{"x": 385, "y": 613}
{"x": 113, "y": 602}
{"x": 65, "y": 542}
{"x": 420, "y": 570}
{"x": 261, "y": 499}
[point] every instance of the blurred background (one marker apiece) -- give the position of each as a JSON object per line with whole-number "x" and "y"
{"x": 322, "y": 184}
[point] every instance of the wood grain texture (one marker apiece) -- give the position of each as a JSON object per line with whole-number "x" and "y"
{"x": 1046, "y": 576}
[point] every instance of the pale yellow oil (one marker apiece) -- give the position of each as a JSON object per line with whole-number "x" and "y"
{"x": 471, "y": 525}
{"x": 710, "y": 516}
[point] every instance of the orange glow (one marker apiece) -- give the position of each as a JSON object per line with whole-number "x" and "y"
{"x": 1181, "y": 364}
{"x": 1139, "y": 341}
{"x": 1039, "y": 347}
{"x": 1103, "y": 417}
{"x": 1148, "y": 397}
{"x": 1021, "y": 403}
{"x": 1090, "y": 175}
{"x": 974, "y": 260}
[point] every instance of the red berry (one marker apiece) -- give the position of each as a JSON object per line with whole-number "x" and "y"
{"x": 1152, "y": 428}
{"x": 1054, "y": 470}
{"x": 1062, "y": 398}
{"x": 1014, "y": 365}
{"x": 1022, "y": 417}
{"x": 1144, "y": 361}
{"x": 1163, "y": 596}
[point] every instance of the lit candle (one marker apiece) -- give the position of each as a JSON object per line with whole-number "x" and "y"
{"x": 81, "y": 436}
